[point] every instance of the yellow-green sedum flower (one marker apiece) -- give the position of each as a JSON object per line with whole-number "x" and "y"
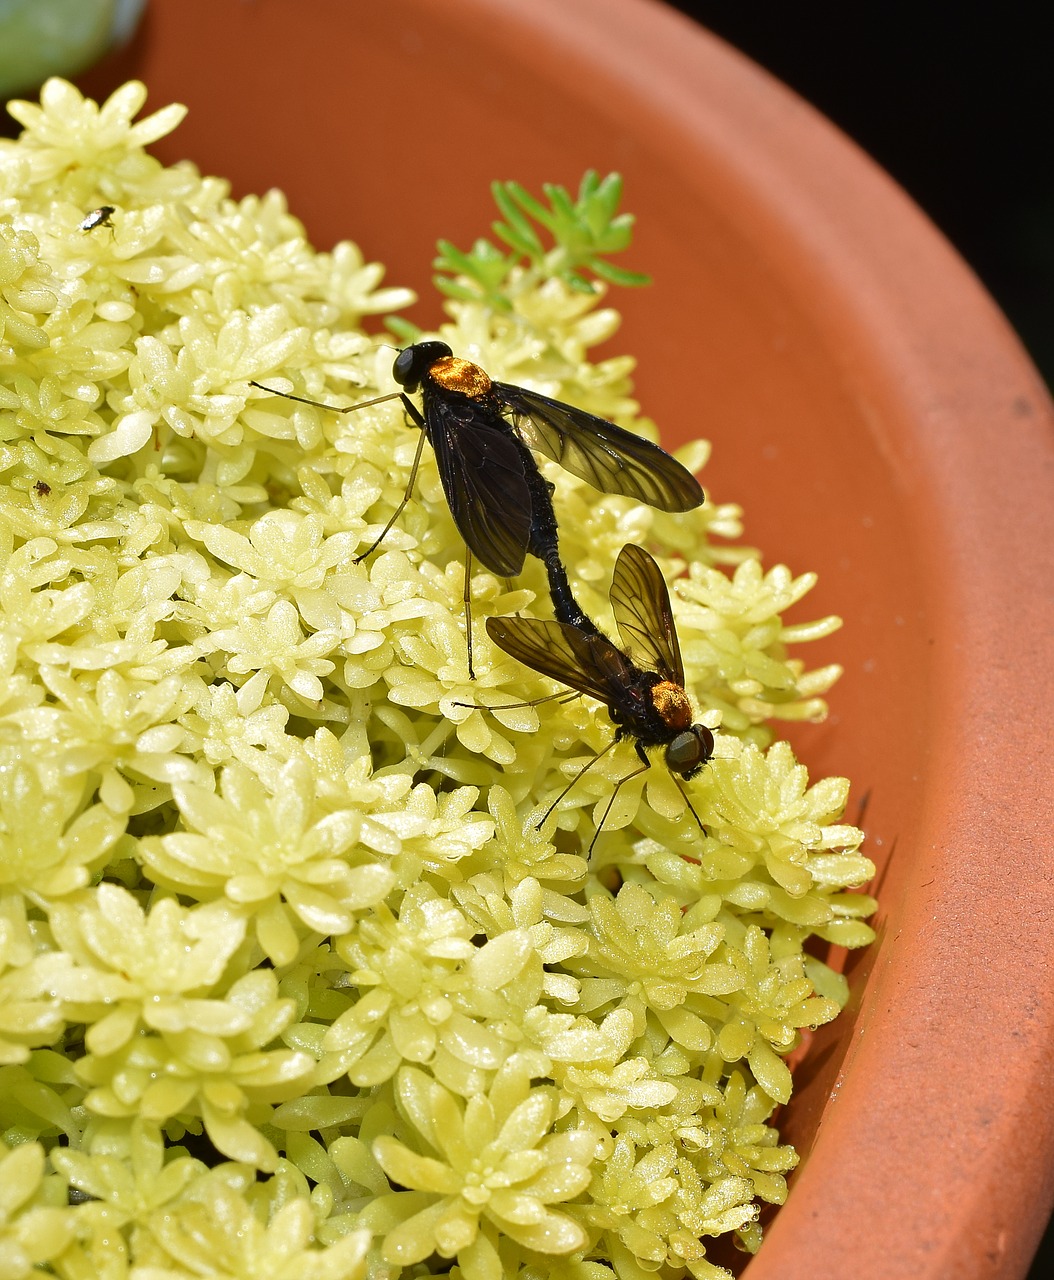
{"x": 213, "y": 1232}
{"x": 124, "y": 1178}
{"x": 411, "y": 968}
{"x": 157, "y": 1044}
{"x": 49, "y": 840}
{"x": 297, "y": 978}
{"x": 29, "y": 1015}
{"x": 31, "y": 1231}
{"x": 132, "y": 970}
{"x": 264, "y": 849}
{"x": 657, "y": 1208}
{"x": 498, "y": 1167}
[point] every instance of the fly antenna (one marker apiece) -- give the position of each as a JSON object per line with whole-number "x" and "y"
{"x": 561, "y": 696}
{"x": 350, "y": 408}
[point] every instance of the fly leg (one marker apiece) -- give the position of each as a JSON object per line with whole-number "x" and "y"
{"x": 468, "y": 606}
{"x": 618, "y": 786}
{"x": 418, "y": 421}
{"x": 585, "y": 769}
{"x": 415, "y": 418}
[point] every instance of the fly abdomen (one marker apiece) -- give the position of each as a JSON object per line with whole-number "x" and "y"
{"x": 545, "y": 545}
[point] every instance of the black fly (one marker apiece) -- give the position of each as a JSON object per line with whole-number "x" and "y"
{"x": 474, "y": 425}
{"x": 641, "y": 685}
{"x": 483, "y": 431}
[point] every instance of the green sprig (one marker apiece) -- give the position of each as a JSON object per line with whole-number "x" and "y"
{"x": 584, "y": 233}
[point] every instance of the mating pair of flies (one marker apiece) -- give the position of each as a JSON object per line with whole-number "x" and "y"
{"x": 482, "y": 433}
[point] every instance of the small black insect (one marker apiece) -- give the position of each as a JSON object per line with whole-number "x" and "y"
{"x": 42, "y": 487}
{"x": 99, "y": 218}
{"x": 644, "y": 693}
{"x": 483, "y": 432}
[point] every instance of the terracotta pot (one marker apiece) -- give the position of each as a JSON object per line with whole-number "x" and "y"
{"x": 875, "y": 414}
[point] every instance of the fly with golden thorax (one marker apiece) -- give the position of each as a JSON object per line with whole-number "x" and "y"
{"x": 483, "y": 433}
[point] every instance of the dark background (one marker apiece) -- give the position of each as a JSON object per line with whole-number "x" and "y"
{"x": 958, "y": 105}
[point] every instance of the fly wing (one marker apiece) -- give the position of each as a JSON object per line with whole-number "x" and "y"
{"x": 640, "y": 602}
{"x": 590, "y": 664}
{"x": 605, "y": 456}
{"x": 482, "y": 474}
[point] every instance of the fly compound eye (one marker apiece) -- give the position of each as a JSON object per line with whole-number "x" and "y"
{"x": 689, "y": 751}
{"x": 412, "y": 363}
{"x": 403, "y": 368}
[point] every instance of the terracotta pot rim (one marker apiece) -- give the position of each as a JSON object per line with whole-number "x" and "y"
{"x": 934, "y": 341}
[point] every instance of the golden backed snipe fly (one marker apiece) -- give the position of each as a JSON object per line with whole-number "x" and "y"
{"x": 483, "y": 431}
{"x": 642, "y": 685}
